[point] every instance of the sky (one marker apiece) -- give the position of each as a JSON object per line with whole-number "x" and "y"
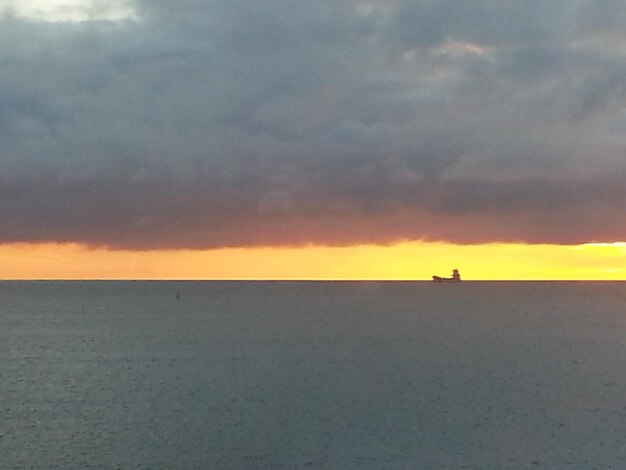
{"x": 212, "y": 128}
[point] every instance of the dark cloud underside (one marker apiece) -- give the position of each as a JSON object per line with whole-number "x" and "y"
{"x": 232, "y": 123}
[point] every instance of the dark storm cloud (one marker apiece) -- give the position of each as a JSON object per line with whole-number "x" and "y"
{"x": 227, "y": 123}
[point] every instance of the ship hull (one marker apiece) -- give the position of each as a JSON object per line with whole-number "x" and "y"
{"x": 445, "y": 279}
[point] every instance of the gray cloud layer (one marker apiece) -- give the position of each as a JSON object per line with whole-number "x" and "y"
{"x": 230, "y": 122}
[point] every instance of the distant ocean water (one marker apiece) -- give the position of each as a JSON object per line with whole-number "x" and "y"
{"x": 312, "y": 375}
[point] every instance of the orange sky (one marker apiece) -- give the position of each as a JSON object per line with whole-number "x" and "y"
{"x": 415, "y": 260}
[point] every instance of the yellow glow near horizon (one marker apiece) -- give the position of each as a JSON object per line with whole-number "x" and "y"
{"x": 403, "y": 261}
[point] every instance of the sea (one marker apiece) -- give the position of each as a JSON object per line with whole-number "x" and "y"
{"x": 312, "y": 375}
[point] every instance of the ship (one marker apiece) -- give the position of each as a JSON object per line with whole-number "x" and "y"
{"x": 456, "y": 277}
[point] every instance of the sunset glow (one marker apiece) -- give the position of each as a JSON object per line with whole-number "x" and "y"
{"x": 405, "y": 261}
{"x": 326, "y": 140}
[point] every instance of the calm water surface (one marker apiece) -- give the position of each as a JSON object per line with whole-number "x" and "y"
{"x": 295, "y": 375}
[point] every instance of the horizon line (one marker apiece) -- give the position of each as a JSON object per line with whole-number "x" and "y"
{"x": 291, "y": 280}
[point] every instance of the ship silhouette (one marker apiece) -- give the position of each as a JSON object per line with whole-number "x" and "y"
{"x": 456, "y": 277}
